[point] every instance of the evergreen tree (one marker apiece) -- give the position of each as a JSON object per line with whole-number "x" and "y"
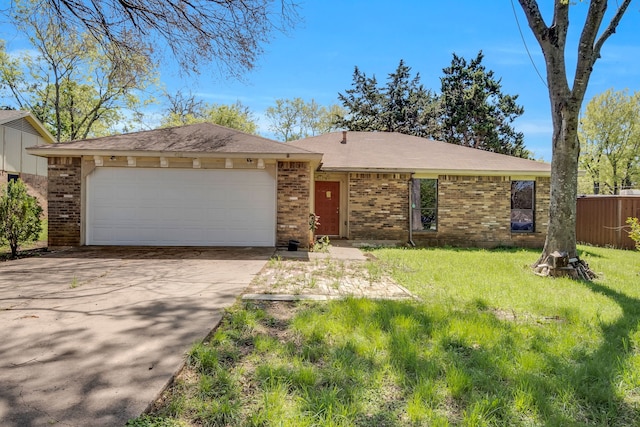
{"x": 363, "y": 104}
{"x": 406, "y": 104}
{"x": 402, "y": 105}
{"x": 475, "y": 112}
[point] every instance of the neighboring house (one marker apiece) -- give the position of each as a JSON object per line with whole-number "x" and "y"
{"x": 208, "y": 185}
{"x": 19, "y": 130}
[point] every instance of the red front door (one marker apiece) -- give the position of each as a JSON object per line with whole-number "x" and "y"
{"x": 328, "y": 207}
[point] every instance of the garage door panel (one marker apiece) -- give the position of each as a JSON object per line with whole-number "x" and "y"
{"x": 137, "y": 206}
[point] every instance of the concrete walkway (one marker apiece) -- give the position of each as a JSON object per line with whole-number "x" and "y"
{"x": 90, "y": 337}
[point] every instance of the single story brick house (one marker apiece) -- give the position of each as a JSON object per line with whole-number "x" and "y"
{"x": 207, "y": 185}
{"x": 18, "y": 131}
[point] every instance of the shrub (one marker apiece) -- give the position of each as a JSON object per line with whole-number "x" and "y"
{"x": 19, "y": 216}
{"x": 634, "y": 223}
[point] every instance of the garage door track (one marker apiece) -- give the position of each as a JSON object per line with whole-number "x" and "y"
{"x": 91, "y": 336}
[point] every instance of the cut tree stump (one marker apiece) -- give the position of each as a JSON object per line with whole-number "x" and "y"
{"x": 558, "y": 264}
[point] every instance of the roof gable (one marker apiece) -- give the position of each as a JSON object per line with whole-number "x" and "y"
{"x": 24, "y": 121}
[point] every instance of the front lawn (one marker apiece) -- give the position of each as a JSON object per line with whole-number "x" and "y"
{"x": 488, "y": 343}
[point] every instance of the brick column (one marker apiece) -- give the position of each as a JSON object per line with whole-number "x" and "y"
{"x": 294, "y": 202}
{"x": 64, "y": 198}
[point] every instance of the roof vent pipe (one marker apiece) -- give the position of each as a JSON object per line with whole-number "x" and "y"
{"x": 344, "y": 137}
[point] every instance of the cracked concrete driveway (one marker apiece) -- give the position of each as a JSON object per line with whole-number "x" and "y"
{"x": 91, "y": 336}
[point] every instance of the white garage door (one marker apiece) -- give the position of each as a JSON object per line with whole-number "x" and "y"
{"x": 180, "y": 207}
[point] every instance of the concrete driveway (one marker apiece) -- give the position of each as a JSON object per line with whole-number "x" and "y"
{"x": 91, "y": 336}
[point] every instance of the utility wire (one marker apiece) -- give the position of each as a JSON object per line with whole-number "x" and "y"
{"x": 526, "y": 47}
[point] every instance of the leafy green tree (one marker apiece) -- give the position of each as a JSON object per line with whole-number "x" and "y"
{"x": 610, "y": 141}
{"x": 292, "y": 119}
{"x": 566, "y": 102}
{"x": 634, "y": 232}
{"x": 19, "y": 216}
{"x": 185, "y": 110}
{"x": 75, "y": 86}
{"x": 236, "y": 116}
{"x": 401, "y": 105}
{"x": 474, "y": 111}
{"x": 318, "y": 119}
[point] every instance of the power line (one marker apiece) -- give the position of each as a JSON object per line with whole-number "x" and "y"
{"x": 526, "y": 47}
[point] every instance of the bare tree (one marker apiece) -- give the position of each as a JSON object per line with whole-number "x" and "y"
{"x": 184, "y": 104}
{"x": 566, "y": 102}
{"x": 229, "y": 32}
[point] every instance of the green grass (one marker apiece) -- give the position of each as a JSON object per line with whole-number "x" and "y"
{"x": 489, "y": 343}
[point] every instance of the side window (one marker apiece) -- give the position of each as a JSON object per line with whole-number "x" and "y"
{"x": 424, "y": 204}
{"x": 522, "y": 203}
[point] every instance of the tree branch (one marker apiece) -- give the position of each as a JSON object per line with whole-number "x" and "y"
{"x": 534, "y": 18}
{"x": 589, "y": 49}
{"x": 231, "y": 32}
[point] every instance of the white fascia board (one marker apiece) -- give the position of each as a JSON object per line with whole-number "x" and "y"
{"x": 432, "y": 172}
{"x": 57, "y": 152}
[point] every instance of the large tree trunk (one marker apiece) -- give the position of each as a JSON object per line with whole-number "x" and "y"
{"x": 561, "y": 234}
{"x": 559, "y": 256}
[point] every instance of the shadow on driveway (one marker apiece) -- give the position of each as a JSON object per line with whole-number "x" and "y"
{"x": 91, "y": 336}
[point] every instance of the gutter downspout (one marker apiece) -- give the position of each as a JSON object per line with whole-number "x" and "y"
{"x": 411, "y": 212}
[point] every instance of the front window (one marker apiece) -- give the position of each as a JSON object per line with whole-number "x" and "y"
{"x": 424, "y": 204}
{"x": 522, "y": 202}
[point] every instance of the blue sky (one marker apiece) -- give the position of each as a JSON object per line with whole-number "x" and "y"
{"x": 316, "y": 59}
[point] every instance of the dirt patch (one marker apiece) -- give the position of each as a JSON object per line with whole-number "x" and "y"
{"x": 330, "y": 277}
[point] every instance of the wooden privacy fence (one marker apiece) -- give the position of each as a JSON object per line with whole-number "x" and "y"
{"x": 601, "y": 220}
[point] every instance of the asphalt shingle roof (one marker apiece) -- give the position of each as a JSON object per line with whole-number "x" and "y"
{"x": 191, "y": 139}
{"x": 11, "y": 115}
{"x": 398, "y": 152}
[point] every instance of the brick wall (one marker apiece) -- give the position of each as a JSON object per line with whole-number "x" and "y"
{"x": 378, "y": 206}
{"x": 64, "y": 201}
{"x": 294, "y": 203}
{"x": 476, "y": 211}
